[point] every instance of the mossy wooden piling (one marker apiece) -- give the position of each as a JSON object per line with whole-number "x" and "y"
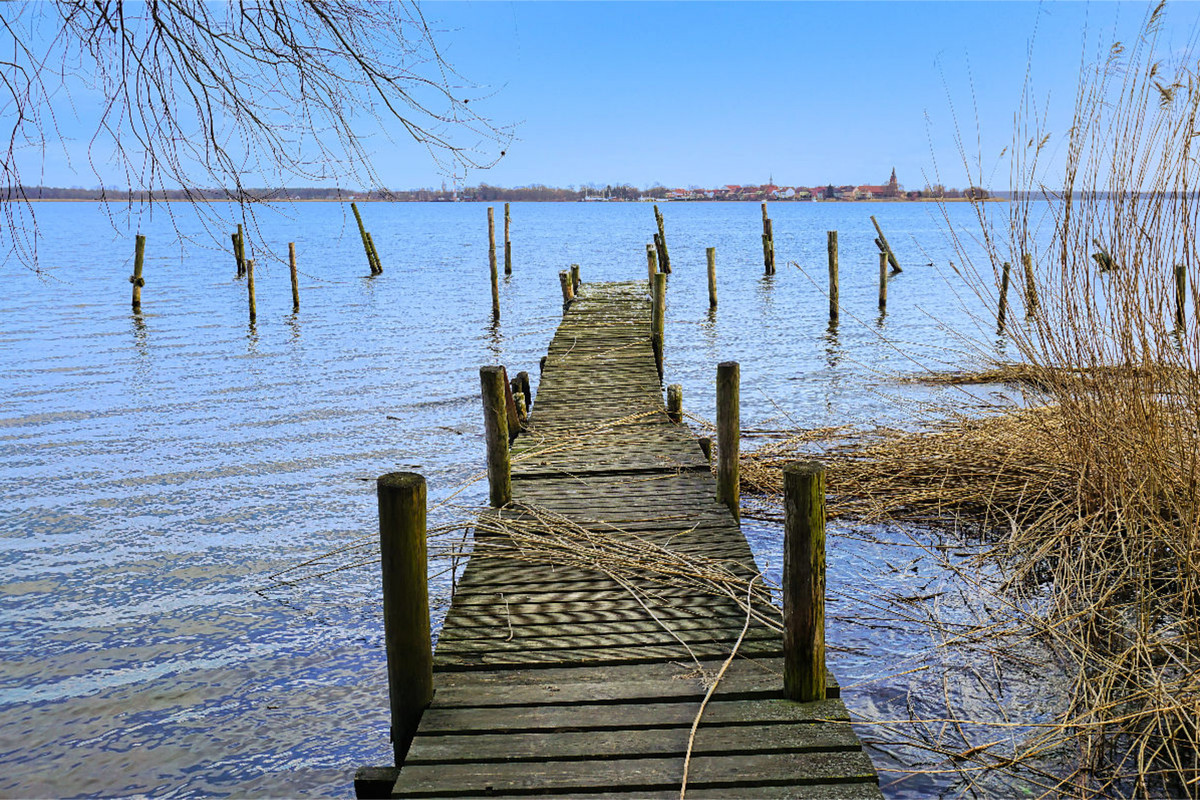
{"x": 376, "y": 264}
{"x": 768, "y": 242}
{"x": 804, "y": 581}
{"x": 711, "y": 254}
{"x": 675, "y": 402}
{"x": 295, "y": 284}
{"x": 493, "y": 387}
{"x": 368, "y": 247}
{"x": 575, "y": 278}
{"x": 832, "y": 251}
{"x": 507, "y": 242}
{"x": 239, "y": 252}
{"x": 402, "y": 498}
{"x": 651, "y": 263}
{"x": 562, "y": 680}
{"x": 139, "y": 256}
{"x": 567, "y": 286}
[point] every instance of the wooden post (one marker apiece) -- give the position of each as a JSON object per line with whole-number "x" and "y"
{"x": 295, "y": 285}
{"x": 706, "y": 447}
{"x": 770, "y": 248}
{"x": 491, "y": 214}
{"x": 241, "y": 253}
{"x": 522, "y": 380}
{"x": 663, "y": 258}
{"x": 711, "y": 252}
{"x": 362, "y": 232}
{"x": 507, "y": 243}
{"x": 652, "y": 263}
{"x": 832, "y": 247}
{"x": 658, "y": 316}
{"x": 804, "y": 581}
{"x": 250, "y": 288}
{"x": 401, "y": 497}
{"x": 728, "y": 436}
{"x": 575, "y": 279}
{"x": 495, "y": 426}
{"x": 139, "y": 256}
{"x": 883, "y": 281}
{"x": 237, "y": 254}
{"x": 568, "y": 291}
{"x": 376, "y": 264}
{"x": 675, "y": 402}
{"x": 886, "y": 247}
{"x": 1180, "y": 296}
{"x": 1031, "y": 296}
{"x": 510, "y": 406}
{"x": 764, "y": 213}
{"x": 1002, "y": 311}
{"x": 658, "y": 248}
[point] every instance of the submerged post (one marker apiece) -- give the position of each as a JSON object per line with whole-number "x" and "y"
{"x": 711, "y": 252}
{"x": 491, "y": 215}
{"x": 401, "y": 497}
{"x": 362, "y": 232}
{"x": 832, "y": 247}
{"x": 883, "y": 281}
{"x": 887, "y": 248}
{"x": 373, "y": 254}
{"x": 139, "y": 256}
{"x": 658, "y": 316}
{"x": 804, "y": 581}
{"x": 494, "y": 389}
{"x": 250, "y": 288}
{"x": 768, "y": 241}
{"x": 295, "y": 285}
{"x": 663, "y": 258}
{"x": 507, "y": 244}
{"x": 1031, "y": 296}
{"x": 1002, "y": 311}
{"x": 237, "y": 254}
{"x": 675, "y": 402}
{"x": 651, "y": 263}
{"x": 728, "y": 436}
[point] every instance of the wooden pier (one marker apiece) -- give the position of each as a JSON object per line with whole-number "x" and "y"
{"x": 555, "y": 680}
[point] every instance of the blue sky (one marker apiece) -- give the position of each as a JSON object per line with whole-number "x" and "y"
{"x": 708, "y": 93}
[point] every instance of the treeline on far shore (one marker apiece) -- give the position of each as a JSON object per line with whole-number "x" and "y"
{"x": 481, "y": 193}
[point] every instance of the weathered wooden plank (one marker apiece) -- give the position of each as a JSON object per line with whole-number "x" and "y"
{"x": 640, "y": 774}
{"x": 618, "y": 742}
{"x": 440, "y": 721}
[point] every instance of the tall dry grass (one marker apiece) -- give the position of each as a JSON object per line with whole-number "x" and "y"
{"x": 1089, "y": 495}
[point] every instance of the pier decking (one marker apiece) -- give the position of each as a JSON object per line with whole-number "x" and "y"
{"x": 558, "y": 680}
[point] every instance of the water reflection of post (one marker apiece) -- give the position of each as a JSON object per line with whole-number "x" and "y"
{"x": 293, "y": 322}
{"x": 765, "y": 284}
{"x": 495, "y": 340}
{"x": 141, "y": 340}
{"x": 833, "y": 345}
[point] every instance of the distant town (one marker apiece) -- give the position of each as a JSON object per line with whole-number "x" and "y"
{"x": 890, "y": 190}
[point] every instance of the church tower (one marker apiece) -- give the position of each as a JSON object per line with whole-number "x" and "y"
{"x": 893, "y": 188}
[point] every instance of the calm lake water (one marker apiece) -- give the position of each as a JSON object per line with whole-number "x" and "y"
{"x": 157, "y": 470}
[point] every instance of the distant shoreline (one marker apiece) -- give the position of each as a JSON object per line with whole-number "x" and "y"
{"x": 451, "y": 202}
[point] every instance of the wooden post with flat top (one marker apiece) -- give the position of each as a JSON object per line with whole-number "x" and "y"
{"x": 675, "y": 402}
{"x": 568, "y": 289}
{"x": 658, "y": 316}
{"x": 804, "y": 581}
{"x": 1180, "y": 296}
{"x": 651, "y": 263}
{"x": 240, "y": 253}
{"x": 1031, "y": 295}
{"x": 491, "y": 215}
{"x": 575, "y": 279}
{"x": 883, "y": 281}
{"x": 711, "y": 252}
{"x": 401, "y": 497}
{"x": 832, "y": 247}
{"x": 250, "y": 289}
{"x": 139, "y": 256}
{"x": 728, "y": 436}
{"x": 494, "y": 389}
{"x": 507, "y": 243}
{"x": 295, "y": 285}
